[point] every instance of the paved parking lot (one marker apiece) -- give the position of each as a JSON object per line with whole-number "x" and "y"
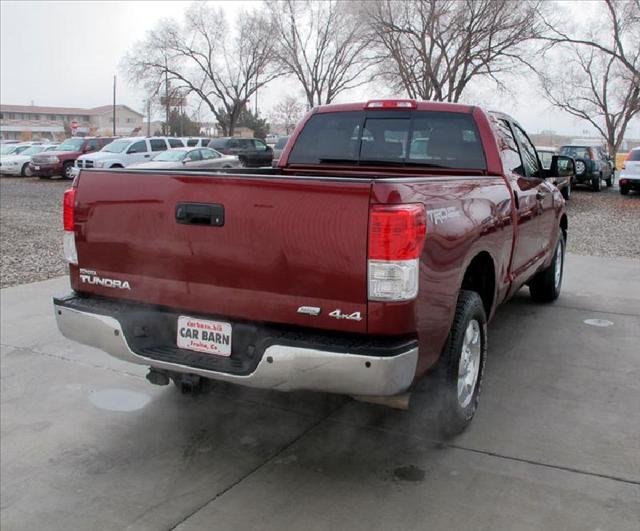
{"x": 87, "y": 443}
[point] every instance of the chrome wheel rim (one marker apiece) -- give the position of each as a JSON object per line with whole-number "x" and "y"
{"x": 469, "y": 366}
{"x": 558, "y": 268}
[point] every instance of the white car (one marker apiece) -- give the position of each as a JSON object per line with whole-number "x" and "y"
{"x": 126, "y": 151}
{"x": 199, "y": 141}
{"x": 630, "y": 173}
{"x": 19, "y": 164}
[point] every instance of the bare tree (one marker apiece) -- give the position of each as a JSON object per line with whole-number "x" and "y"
{"x": 287, "y": 113}
{"x": 618, "y": 37}
{"x": 433, "y": 49}
{"x": 323, "y": 44}
{"x": 202, "y": 57}
{"x": 593, "y": 86}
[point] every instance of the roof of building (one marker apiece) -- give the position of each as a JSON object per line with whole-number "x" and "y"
{"x": 62, "y": 110}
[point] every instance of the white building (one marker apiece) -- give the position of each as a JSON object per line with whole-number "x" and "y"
{"x": 30, "y": 122}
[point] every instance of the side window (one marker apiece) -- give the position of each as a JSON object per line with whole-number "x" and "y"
{"x": 233, "y": 143}
{"x": 208, "y": 154}
{"x": 529, "y": 157}
{"x": 259, "y": 145}
{"x": 158, "y": 144}
{"x": 245, "y": 143}
{"x": 93, "y": 144}
{"x": 138, "y": 147}
{"x": 192, "y": 142}
{"x": 194, "y": 155}
{"x": 509, "y": 148}
{"x": 174, "y": 143}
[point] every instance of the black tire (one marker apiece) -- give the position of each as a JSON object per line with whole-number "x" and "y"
{"x": 624, "y": 190}
{"x": 66, "y": 170}
{"x": 44, "y": 176}
{"x": 545, "y": 286}
{"x": 456, "y": 411}
{"x": 609, "y": 182}
{"x": 566, "y": 192}
{"x": 26, "y": 171}
{"x": 596, "y": 183}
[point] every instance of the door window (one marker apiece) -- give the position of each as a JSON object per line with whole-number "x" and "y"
{"x": 208, "y": 154}
{"x": 92, "y": 145}
{"x": 529, "y": 157}
{"x": 194, "y": 155}
{"x": 509, "y": 148}
{"x": 138, "y": 147}
{"x": 158, "y": 144}
{"x": 259, "y": 145}
{"x": 174, "y": 143}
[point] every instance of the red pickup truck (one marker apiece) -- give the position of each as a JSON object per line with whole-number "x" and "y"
{"x": 375, "y": 252}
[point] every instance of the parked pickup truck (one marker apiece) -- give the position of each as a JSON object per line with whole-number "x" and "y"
{"x": 377, "y": 251}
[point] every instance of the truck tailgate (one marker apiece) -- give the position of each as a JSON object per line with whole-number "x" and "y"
{"x": 284, "y": 243}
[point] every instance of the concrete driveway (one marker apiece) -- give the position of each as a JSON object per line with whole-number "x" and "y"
{"x": 87, "y": 443}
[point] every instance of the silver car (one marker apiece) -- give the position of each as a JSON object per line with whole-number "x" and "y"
{"x": 189, "y": 157}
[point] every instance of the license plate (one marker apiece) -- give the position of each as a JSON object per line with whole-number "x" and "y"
{"x": 36, "y": 167}
{"x": 201, "y": 335}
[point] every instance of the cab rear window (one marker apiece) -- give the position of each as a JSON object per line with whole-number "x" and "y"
{"x": 421, "y": 138}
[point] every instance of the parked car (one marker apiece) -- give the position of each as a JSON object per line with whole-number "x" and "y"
{"x": 188, "y": 158}
{"x": 563, "y": 183}
{"x": 630, "y": 172}
{"x": 278, "y": 148}
{"x": 355, "y": 267}
{"x": 591, "y": 165}
{"x": 19, "y": 164}
{"x": 15, "y": 149}
{"x": 251, "y": 152}
{"x": 196, "y": 142}
{"x": 61, "y": 160}
{"x": 123, "y": 152}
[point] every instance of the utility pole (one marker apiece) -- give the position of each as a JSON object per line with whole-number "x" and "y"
{"x": 166, "y": 97}
{"x": 114, "y": 105}
{"x": 148, "y": 116}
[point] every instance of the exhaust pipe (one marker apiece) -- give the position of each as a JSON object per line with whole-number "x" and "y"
{"x": 157, "y": 377}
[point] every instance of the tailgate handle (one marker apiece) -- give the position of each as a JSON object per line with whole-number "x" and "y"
{"x": 200, "y": 214}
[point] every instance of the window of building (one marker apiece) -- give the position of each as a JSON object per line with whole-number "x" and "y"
{"x": 52, "y": 117}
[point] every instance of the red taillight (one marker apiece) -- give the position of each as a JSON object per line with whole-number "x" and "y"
{"x": 396, "y": 232}
{"x": 68, "y": 208}
{"x": 391, "y": 104}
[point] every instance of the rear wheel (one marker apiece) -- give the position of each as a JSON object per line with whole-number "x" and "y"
{"x": 462, "y": 364}
{"x": 596, "y": 183}
{"x": 566, "y": 192}
{"x": 26, "y": 170}
{"x": 624, "y": 190}
{"x": 609, "y": 181}
{"x": 546, "y": 285}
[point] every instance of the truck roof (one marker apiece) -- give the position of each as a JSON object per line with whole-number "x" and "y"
{"x": 419, "y": 105}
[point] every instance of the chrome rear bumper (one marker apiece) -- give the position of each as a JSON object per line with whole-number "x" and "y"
{"x": 281, "y": 367}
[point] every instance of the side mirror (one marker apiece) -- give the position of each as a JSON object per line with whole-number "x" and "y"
{"x": 184, "y": 161}
{"x": 562, "y": 166}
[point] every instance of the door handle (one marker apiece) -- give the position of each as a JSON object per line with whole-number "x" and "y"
{"x": 200, "y": 214}
{"x": 147, "y": 156}
{"x": 540, "y": 195}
